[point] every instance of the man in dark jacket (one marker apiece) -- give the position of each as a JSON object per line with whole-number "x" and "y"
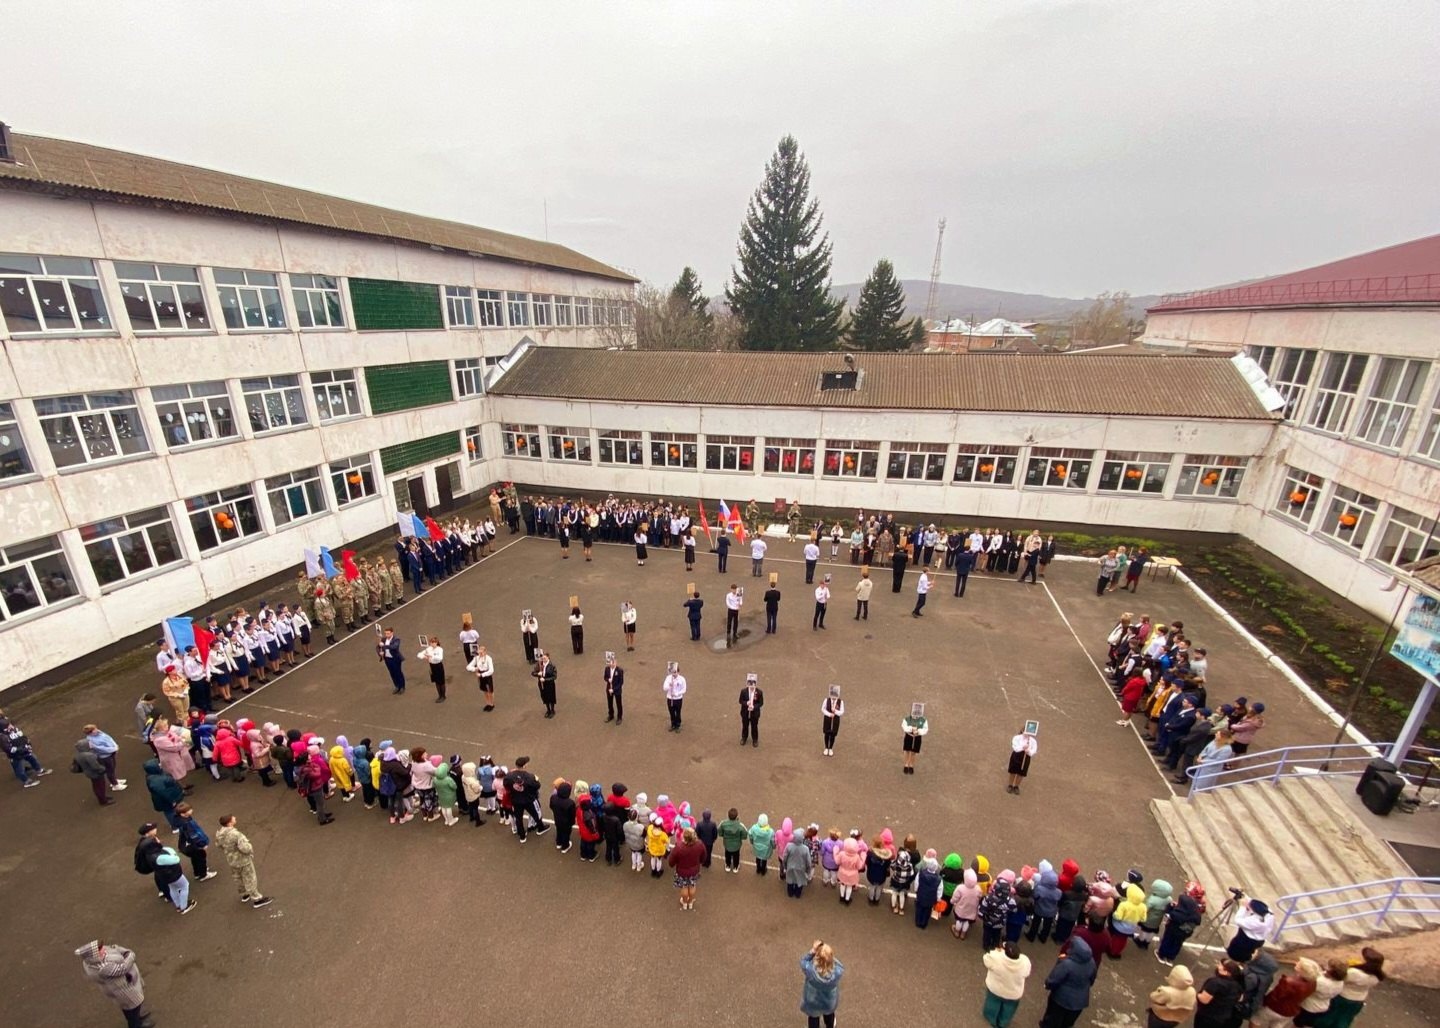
{"x": 524, "y": 790}
{"x": 1176, "y": 719}
{"x": 1069, "y": 985}
{"x": 722, "y": 551}
{"x": 772, "y": 607}
{"x": 88, "y": 764}
{"x": 19, "y": 752}
{"x": 562, "y": 809}
{"x": 165, "y": 792}
{"x": 964, "y": 564}
{"x": 1184, "y": 751}
{"x": 146, "y": 850}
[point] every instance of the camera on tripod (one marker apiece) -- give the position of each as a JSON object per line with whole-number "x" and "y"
{"x": 1239, "y": 894}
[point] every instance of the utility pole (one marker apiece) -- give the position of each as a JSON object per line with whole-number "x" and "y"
{"x": 934, "y": 276}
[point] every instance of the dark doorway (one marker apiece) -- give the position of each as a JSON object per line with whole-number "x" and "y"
{"x": 444, "y": 482}
{"x": 417, "y": 496}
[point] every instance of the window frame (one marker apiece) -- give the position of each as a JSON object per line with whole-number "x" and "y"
{"x": 1332, "y": 406}
{"x": 305, "y": 290}
{"x": 474, "y": 444}
{"x": 213, "y": 407}
{"x": 631, "y": 443}
{"x": 143, "y": 290}
{"x": 1134, "y": 472}
{"x": 490, "y": 308}
{"x": 567, "y": 444}
{"x": 283, "y": 390}
{"x": 1346, "y": 502}
{"x": 972, "y": 459}
{"x": 15, "y": 459}
{"x": 1427, "y": 445}
{"x": 1226, "y": 471}
{"x": 1059, "y": 465}
{"x": 1384, "y": 405}
{"x": 67, "y": 282}
{"x": 542, "y": 309}
{"x": 857, "y": 452}
{"x": 459, "y": 307}
{"x": 347, "y": 491}
{"x": 520, "y": 440}
{"x": 1406, "y": 541}
{"x": 104, "y": 412}
{"x": 564, "y": 311}
{"x": 664, "y": 444}
{"x": 323, "y": 386}
{"x": 800, "y": 450}
{"x": 25, "y": 556}
{"x": 229, "y": 501}
{"x": 732, "y": 454}
{"x": 304, "y": 483}
{"x": 1293, "y": 372}
{"x": 584, "y": 312}
{"x": 517, "y": 303}
{"x": 237, "y": 290}
{"x": 1292, "y": 484}
{"x": 915, "y": 457}
{"x": 109, "y": 533}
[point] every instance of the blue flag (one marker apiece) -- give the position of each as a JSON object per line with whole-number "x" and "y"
{"x": 180, "y": 633}
{"x": 328, "y": 562}
{"x": 420, "y": 529}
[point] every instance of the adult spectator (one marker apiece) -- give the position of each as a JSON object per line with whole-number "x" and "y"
{"x": 1173, "y": 1002}
{"x": 1283, "y": 1002}
{"x": 757, "y": 557}
{"x": 686, "y": 859}
{"x": 89, "y": 765}
{"x": 524, "y": 789}
{"x": 1253, "y": 924}
{"x": 165, "y": 792}
{"x": 113, "y": 969}
{"x": 812, "y": 556}
{"x": 1138, "y": 560}
{"x": 1359, "y": 980}
{"x": 21, "y": 754}
{"x": 1006, "y": 969}
{"x": 821, "y": 997}
{"x": 105, "y": 749}
{"x": 1218, "y": 998}
{"x": 1069, "y": 984}
{"x": 863, "y": 589}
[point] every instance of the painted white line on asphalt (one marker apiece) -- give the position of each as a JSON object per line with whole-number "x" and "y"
{"x": 1106, "y": 682}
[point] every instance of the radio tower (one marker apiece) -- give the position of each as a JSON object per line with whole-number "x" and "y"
{"x": 934, "y": 277}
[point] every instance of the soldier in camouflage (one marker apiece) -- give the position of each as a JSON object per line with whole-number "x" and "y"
{"x": 305, "y": 590}
{"x": 397, "y": 581}
{"x": 324, "y": 611}
{"x": 362, "y": 592}
{"x": 375, "y": 577}
{"x": 344, "y": 600}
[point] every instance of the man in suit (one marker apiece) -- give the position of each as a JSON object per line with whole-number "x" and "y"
{"x": 545, "y": 675}
{"x": 614, "y": 685}
{"x": 964, "y": 564}
{"x": 722, "y": 551}
{"x": 389, "y": 651}
{"x": 692, "y": 612}
{"x": 772, "y": 608}
{"x": 752, "y": 698}
{"x": 897, "y": 567}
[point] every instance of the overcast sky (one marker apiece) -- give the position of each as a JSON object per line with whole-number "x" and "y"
{"x": 1074, "y": 147}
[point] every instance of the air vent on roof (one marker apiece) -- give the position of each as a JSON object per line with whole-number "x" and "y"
{"x": 840, "y": 380}
{"x": 5, "y": 154}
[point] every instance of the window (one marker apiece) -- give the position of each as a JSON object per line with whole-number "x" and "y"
{"x": 1290, "y": 374}
{"x": 491, "y": 308}
{"x": 569, "y": 443}
{"x": 249, "y": 299}
{"x": 460, "y": 306}
{"x": 1391, "y": 403}
{"x": 543, "y": 304}
{"x": 520, "y": 440}
{"x": 317, "y": 301}
{"x": 1134, "y": 472}
{"x": 563, "y": 312}
{"x": 51, "y": 294}
{"x": 518, "y": 308}
{"x": 1299, "y": 495}
{"x": 672, "y": 450}
{"x": 627, "y": 312}
{"x": 1263, "y": 356}
{"x": 730, "y": 453}
{"x": 162, "y": 297}
{"x": 474, "y": 447}
{"x": 274, "y": 402}
{"x": 1335, "y": 392}
{"x": 91, "y": 427}
{"x": 1057, "y": 467}
{"x": 197, "y": 413}
{"x": 1430, "y": 438}
{"x": 919, "y": 462}
{"x": 1350, "y": 517}
{"x": 337, "y": 394}
{"x": 849, "y": 458}
{"x": 582, "y": 312}
{"x": 986, "y": 465}
{"x": 14, "y": 461}
{"x": 618, "y": 446}
{"x": 295, "y": 496}
{"x": 469, "y": 377}
{"x": 1408, "y": 538}
{"x": 223, "y": 517}
{"x": 121, "y": 548}
{"x": 790, "y": 456}
{"x": 33, "y": 575}
{"x": 353, "y": 479}
{"x": 1208, "y": 474}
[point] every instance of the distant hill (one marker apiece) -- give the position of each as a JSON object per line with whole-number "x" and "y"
{"x": 957, "y": 301}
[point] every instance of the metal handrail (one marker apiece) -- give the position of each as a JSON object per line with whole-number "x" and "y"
{"x": 1417, "y": 288}
{"x": 1332, "y": 761}
{"x": 1394, "y": 890}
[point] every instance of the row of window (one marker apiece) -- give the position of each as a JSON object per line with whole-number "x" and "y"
{"x": 1350, "y": 518}
{"x": 64, "y": 296}
{"x": 1369, "y": 398}
{"x": 91, "y": 428}
{"x": 1214, "y": 475}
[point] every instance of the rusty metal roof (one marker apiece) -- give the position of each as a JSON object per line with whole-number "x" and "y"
{"x": 1047, "y": 383}
{"x": 60, "y": 166}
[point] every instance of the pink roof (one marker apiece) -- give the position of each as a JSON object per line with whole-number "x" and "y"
{"x": 1407, "y": 273}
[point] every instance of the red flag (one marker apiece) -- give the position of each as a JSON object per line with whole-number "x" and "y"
{"x": 704, "y": 521}
{"x": 347, "y": 561}
{"x": 203, "y": 641}
{"x": 737, "y": 524}
{"x": 436, "y": 532}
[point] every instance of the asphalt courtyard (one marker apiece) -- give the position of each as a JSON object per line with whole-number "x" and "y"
{"x": 423, "y": 924}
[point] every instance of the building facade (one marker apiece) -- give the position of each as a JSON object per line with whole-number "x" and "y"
{"x": 1351, "y": 489}
{"x": 192, "y": 392}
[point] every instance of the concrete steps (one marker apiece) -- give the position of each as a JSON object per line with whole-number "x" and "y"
{"x": 1280, "y": 838}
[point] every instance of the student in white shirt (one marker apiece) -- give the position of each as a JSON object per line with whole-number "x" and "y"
{"x": 757, "y": 557}
{"x": 577, "y": 630}
{"x": 822, "y": 601}
{"x": 434, "y": 655}
{"x": 734, "y": 600}
{"x": 674, "y": 687}
{"x": 628, "y": 618}
{"x": 483, "y": 666}
{"x": 922, "y": 589}
{"x": 812, "y": 556}
{"x": 469, "y": 638}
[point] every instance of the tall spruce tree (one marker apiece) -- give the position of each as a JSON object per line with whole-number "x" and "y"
{"x": 687, "y": 296}
{"x": 879, "y": 319}
{"x": 781, "y": 290}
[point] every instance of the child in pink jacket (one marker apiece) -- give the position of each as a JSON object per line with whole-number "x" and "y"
{"x": 851, "y": 863}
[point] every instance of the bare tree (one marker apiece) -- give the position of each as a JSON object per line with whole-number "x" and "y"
{"x": 1105, "y": 322}
{"x": 613, "y": 313}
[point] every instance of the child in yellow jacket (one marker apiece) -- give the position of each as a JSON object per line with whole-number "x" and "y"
{"x": 341, "y": 771}
{"x": 657, "y": 843}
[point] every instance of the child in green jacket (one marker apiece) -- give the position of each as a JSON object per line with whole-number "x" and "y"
{"x": 733, "y": 834}
{"x": 762, "y": 841}
{"x": 445, "y": 795}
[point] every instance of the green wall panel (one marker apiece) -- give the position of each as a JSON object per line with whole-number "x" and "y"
{"x": 403, "y": 386}
{"x": 418, "y": 451}
{"x": 386, "y": 304}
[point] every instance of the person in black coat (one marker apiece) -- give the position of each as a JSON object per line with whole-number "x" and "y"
{"x": 964, "y": 564}
{"x": 897, "y": 566}
{"x": 772, "y": 609}
{"x": 707, "y": 831}
{"x": 722, "y": 551}
{"x": 545, "y": 676}
{"x": 614, "y": 676}
{"x": 562, "y": 809}
{"x": 752, "y": 698}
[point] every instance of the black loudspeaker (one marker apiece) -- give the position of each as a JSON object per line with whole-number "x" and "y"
{"x": 1375, "y": 767}
{"x": 1382, "y": 792}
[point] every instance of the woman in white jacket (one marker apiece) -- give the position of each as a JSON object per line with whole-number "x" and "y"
{"x": 1006, "y": 969}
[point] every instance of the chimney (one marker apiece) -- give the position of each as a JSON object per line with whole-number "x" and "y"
{"x": 5, "y": 154}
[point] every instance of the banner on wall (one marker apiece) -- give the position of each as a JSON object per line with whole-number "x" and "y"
{"x": 1417, "y": 643}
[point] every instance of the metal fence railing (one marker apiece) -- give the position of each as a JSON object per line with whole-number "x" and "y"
{"x": 1371, "y": 901}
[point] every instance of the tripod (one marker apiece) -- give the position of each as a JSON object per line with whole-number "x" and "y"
{"x": 1221, "y": 920}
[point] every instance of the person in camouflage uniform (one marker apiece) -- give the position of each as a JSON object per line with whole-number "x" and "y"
{"x": 305, "y": 590}
{"x": 324, "y": 611}
{"x": 382, "y": 575}
{"x": 397, "y": 581}
{"x": 375, "y": 578}
{"x": 361, "y": 584}
{"x": 344, "y": 600}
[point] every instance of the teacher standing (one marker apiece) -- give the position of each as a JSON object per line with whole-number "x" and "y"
{"x": 545, "y": 675}
{"x": 1022, "y": 748}
{"x": 822, "y": 985}
{"x": 832, "y": 710}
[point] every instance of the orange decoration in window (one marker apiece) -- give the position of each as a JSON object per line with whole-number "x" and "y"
{"x": 1134, "y": 473}
{"x": 520, "y": 442}
{"x": 985, "y": 469}
{"x": 568, "y": 444}
{"x": 1348, "y": 520}
{"x": 224, "y": 521}
{"x": 354, "y": 478}
{"x": 1060, "y": 471}
{"x": 850, "y": 463}
{"x": 674, "y": 453}
{"x": 1299, "y": 496}
{"x": 1211, "y": 478}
